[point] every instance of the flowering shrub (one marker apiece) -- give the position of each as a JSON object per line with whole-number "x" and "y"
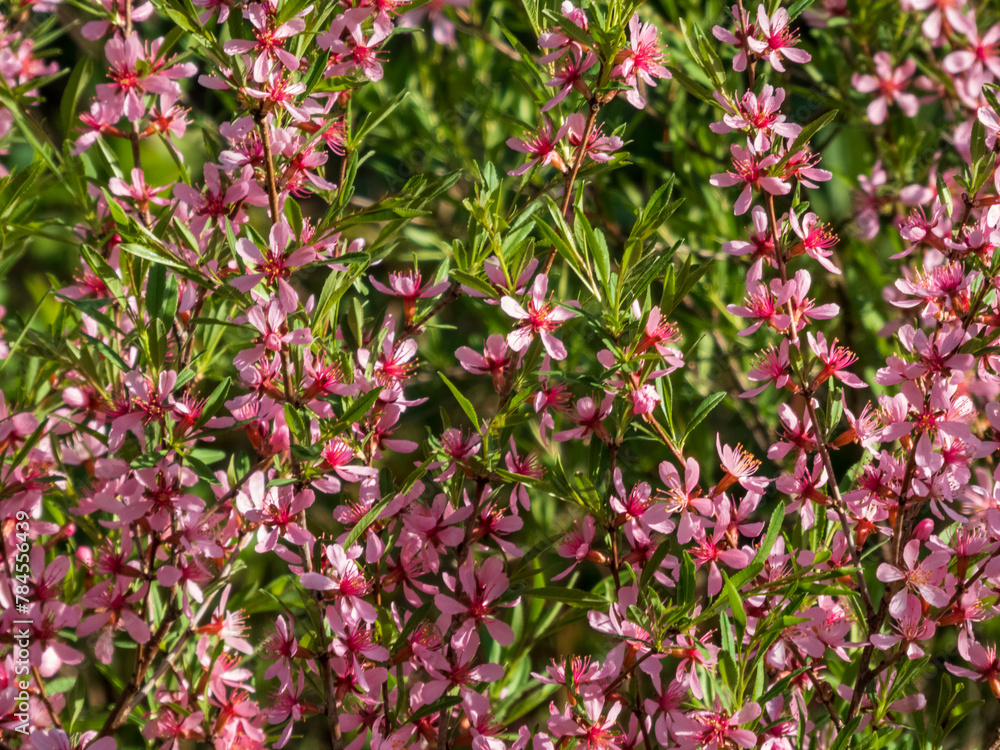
{"x": 445, "y": 374}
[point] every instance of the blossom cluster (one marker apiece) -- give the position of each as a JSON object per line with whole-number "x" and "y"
{"x": 250, "y": 527}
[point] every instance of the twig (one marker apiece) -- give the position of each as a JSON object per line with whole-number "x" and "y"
{"x": 581, "y": 152}
{"x": 326, "y": 672}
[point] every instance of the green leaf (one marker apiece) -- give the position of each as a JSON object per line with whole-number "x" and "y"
{"x": 295, "y": 422}
{"x": 372, "y": 121}
{"x": 441, "y": 704}
{"x": 990, "y": 91}
{"x": 797, "y": 7}
{"x": 735, "y": 603}
{"x": 466, "y": 405}
{"x": 75, "y": 86}
{"x": 944, "y": 195}
{"x": 653, "y": 564}
{"x": 531, "y": 8}
{"x": 356, "y": 411}
{"x": 572, "y": 597}
{"x": 155, "y": 288}
{"x": 804, "y": 137}
{"x": 149, "y": 254}
{"x": 693, "y": 87}
{"x": 367, "y": 520}
{"x": 214, "y": 401}
{"x": 743, "y": 577}
{"x": 703, "y": 410}
{"x": 846, "y": 734}
{"x": 978, "y": 141}
{"x": 158, "y": 342}
{"x": 474, "y": 282}
{"x": 686, "y": 582}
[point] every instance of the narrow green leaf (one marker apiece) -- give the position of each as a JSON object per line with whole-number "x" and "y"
{"x": 466, "y": 405}
{"x": 703, "y": 410}
{"x": 572, "y": 597}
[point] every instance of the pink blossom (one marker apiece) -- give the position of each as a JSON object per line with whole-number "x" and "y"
{"x": 541, "y": 147}
{"x": 356, "y": 52}
{"x": 926, "y": 577}
{"x": 750, "y": 169}
{"x": 275, "y": 265}
{"x": 779, "y": 39}
{"x": 541, "y": 318}
{"x": 495, "y": 360}
{"x": 135, "y": 72}
{"x": 642, "y": 60}
{"x": 269, "y": 45}
{"x": 890, "y": 83}
{"x": 478, "y": 606}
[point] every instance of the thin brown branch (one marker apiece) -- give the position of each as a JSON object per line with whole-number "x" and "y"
{"x": 581, "y": 152}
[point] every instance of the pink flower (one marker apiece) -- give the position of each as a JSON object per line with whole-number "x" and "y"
{"x": 217, "y": 204}
{"x": 644, "y": 399}
{"x": 816, "y": 239}
{"x": 740, "y": 466}
{"x": 910, "y": 627}
{"x": 270, "y": 321}
{"x": 356, "y": 53}
{"x": 478, "y": 606}
{"x": 558, "y": 41}
{"x": 270, "y": 40}
{"x": 342, "y": 576}
{"x": 761, "y": 239}
{"x": 494, "y": 360}
{"x": 982, "y": 61}
{"x": 760, "y": 116}
{"x": 835, "y": 359}
{"x": 890, "y": 83}
{"x": 771, "y": 366}
{"x": 136, "y": 72}
{"x": 779, "y": 38}
{"x": 442, "y": 29}
{"x": 273, "y": 265}
{"x": 599, "y": 147}
{"x": 642, "y": 60}
{"x": 570, "y": 76}
{"x": 228, "y": 625}
{"x": 279, "y": 91}
{"x": 945, "y": 13}
{"x": 541, "y": 318}
{"x": 869, "y": 202}
{"x": 337, "y": 456}
{"x": 745, "y": 31}
{"x": 139, "y": 192}
{"x": 222, "y": 6}
{"x": 712, "y": 550}
{"x": 541, "y": 147}
{"x": 925, "y": 577}
{"x": 716, "y": 729}
{"x": 576, "y": 545}
{"x": 762, "y": 305}
{"x": 589, "y": 418}
{"x": 94, "y": 30}
{"x": 277, "y": 511}
{"x": 406, "y": 285}
{"x": 985, "y": 664}
{"x": 114, "y": 605}
{"x": 991, "y": 122}
{"x": 598, "y": 731}
{"x": 459, "y": 669}
{"x": 750, "y": 169}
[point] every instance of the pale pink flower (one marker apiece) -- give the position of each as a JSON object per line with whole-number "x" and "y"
{"x": 541, "y": 318}
{"x": 890, "y": 83}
